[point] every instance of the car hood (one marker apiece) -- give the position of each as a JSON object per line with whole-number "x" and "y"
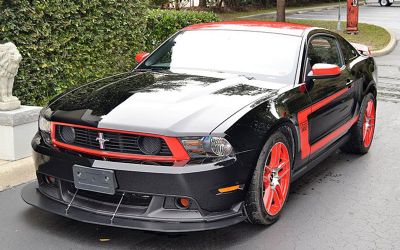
{"x": 159, "y": 103}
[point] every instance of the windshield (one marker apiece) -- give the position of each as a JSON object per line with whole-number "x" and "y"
{"x": 258, "y": 55}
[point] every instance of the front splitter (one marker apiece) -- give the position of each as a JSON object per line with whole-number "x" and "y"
{"x": 31, "y": 195}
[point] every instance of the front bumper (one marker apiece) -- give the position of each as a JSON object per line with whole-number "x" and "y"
{"x": 31, "y": 195}
{"x": 156, "y": 186}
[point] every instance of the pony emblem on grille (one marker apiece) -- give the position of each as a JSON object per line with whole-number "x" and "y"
{"x": 102, "y": 140}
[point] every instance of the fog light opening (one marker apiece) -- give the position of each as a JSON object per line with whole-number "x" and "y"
{"x": 183, "y": 203}
{"x": 50, "y": 179}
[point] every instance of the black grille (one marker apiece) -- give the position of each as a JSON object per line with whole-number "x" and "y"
{"x": 116, "y": 142}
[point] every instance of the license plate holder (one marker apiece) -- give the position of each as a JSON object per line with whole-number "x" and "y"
{"x": 94, "y": 179}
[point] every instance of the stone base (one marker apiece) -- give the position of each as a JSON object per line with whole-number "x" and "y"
{"x": 12, "y": 105}
{"x": 17, "y": 128}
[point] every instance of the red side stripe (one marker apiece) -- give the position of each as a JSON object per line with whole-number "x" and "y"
{"x": 335, "y": 134}
{"x": 179, "y": 153}
{"x": 302, "y": 116}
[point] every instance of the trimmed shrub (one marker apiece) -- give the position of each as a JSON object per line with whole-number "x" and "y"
{"x": 64, "y": 43}
{"x": 161, "y": 24}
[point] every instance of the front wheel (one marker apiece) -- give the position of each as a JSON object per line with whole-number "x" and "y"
{"x": 362, "y": 132}
{"x": 270, "y": 183}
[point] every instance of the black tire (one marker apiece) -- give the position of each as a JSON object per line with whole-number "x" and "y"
{"x": 356, "y": 143}
{"x": 254, "y": 205}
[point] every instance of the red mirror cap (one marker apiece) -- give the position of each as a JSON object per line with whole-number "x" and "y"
{"x": 325, "y": 69}
{"x": 141, "y": 56}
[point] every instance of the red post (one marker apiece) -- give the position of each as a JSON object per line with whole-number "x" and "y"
{"x": 352, "y": 16}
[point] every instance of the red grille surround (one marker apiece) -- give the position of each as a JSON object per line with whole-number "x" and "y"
{"x": 179, "y": 154}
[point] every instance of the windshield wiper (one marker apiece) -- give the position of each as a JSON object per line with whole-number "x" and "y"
{"x": 248, "y": 77}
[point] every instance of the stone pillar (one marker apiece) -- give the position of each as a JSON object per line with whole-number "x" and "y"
{"x": 17, "y": 128}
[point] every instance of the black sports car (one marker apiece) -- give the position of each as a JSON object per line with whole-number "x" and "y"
{"x": 207, "y": 131}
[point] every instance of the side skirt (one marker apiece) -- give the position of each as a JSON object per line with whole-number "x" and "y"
{"x": 327, "y": 152}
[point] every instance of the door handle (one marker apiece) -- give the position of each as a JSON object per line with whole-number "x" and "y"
{"x": 349, "y": 82}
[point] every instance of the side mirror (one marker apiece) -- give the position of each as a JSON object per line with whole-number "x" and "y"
{"x": 141, "y": 56}
{"x": 324, "y": 71}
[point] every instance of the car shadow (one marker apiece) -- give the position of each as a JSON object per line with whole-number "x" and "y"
{"x": 94, "y": 236}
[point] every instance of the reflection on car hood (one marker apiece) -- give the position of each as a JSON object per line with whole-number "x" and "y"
{"x": 168, "y": 104}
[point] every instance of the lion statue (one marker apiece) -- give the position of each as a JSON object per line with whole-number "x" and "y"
{"x": 9, "y": 64}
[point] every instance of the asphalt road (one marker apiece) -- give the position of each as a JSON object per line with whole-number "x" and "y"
{"x": 347, "y": 202}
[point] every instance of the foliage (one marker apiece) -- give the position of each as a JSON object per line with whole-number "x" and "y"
{"x": 64, "y": 43}
{"x": 163, "y": 23}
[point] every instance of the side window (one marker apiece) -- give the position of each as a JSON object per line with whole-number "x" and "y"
{"x": 324, "y": 49}
{"x": 349, "y": 52}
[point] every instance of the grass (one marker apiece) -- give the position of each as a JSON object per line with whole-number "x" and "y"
{"x": 374, "y": 36}
{"x": 232, "y": 15}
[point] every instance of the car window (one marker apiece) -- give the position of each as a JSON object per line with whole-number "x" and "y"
{"x": 324, "y": 49}
{"x": 349, "y": 52}
{"x": 257, "y": 55}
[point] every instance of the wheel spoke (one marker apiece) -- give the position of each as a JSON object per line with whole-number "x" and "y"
{"x": 368, "y": 110}
{"x": 282, "y": 165}
{"x": 283, "y": 173}
{"x": 278, "y": 197}
{"x": 275, "y": 155}
{"x": 266, "y": 180}
{"x": 268, "y": 195}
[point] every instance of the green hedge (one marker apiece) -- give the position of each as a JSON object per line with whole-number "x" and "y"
{"x": 64, "y": 43}
{"x": 163, "y": 23}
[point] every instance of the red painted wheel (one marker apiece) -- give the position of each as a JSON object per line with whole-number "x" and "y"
{"x": 276, "y": 178}
{"x": 362, "y": 133}
{"x": 269, "y": 186}
{"x": 369, "y": 123}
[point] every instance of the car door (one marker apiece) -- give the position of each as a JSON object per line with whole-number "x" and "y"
{"x": 332, "y": 98}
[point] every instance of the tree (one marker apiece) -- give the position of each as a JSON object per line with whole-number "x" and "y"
{"x": 203, "y": 3}
{"x": 280, "y": 10}
{"x": 177, "y": 4}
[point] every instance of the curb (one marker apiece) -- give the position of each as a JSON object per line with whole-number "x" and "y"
{"x": 16, "y": 172}
{"x": 300, "y": 10}
{"x": 295, "y": 11}
{"x": 389, "y": 48}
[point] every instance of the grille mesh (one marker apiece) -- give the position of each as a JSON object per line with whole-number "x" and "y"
{"x": 117, "y": 142}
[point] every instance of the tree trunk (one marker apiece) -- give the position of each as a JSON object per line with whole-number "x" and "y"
{"x": 203, "y": 3}
{"x": 177, "y": 4}
{"x": 280, "y": 10}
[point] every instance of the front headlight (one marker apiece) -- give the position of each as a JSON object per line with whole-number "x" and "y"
{"x": 44, "y": 125}
{"x": 207, "y": 147}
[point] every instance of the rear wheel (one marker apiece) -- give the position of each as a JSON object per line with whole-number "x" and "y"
{"x": 362, "y": 132}
{"x": 270, "y": 184}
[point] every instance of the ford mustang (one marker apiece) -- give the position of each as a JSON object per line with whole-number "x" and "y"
{"x": 207, "y": 131}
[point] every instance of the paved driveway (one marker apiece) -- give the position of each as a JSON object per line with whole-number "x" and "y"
{"x": 347, "y": 202}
